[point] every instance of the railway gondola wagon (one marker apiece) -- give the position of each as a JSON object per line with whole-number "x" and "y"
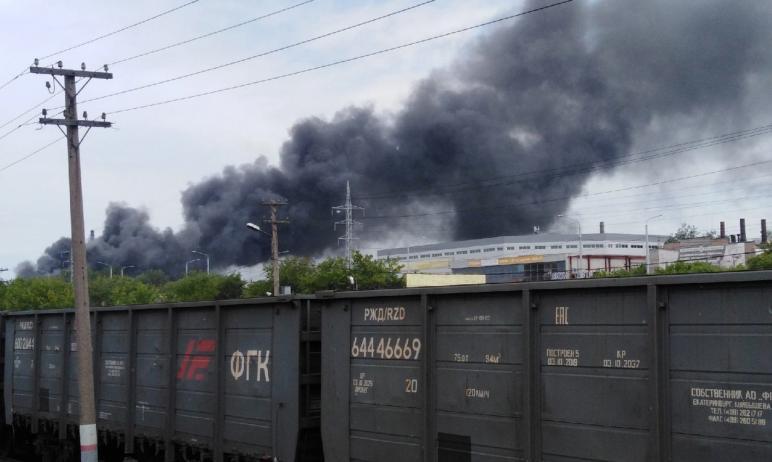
{"x": 231, "y": 380}
{"x": 665, "y": 368}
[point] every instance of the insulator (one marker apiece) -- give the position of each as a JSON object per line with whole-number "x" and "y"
{"x": 105, "y": 67}
{"x": 104, "y": 116}
{"x": 45, "y": 112}
{"x": 37, "y": 62}
{"x": 48, "y": 84}
{"x": 59, "y": 63}
{"x": 83, "y": 66}
{"x": 85, "y": 115}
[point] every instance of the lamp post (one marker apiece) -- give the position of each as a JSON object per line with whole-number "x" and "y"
{"x": 124, "y": 268}
{"x": 646, "y": 245}
{"x": 188, "y": 263}
{"x": 109, "y": 266}
{"x": 581, "y": 245}
{"x": 274, "y": 256}
{"x": 205, "y": 256}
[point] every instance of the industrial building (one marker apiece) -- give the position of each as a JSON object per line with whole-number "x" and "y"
{"x": 530, "y": 257}
{"x": 726, "y": 251}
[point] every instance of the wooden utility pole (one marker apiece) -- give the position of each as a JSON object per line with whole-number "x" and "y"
{"x": 88, "y": 431}
{"x": 274, "y": 204}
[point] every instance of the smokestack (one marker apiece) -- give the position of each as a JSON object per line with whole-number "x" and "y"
{"x": 602, "y": 228}
{"x": 763, "y": 230}
{"x": 723, "y": 230}
{"x": 742, "y": 229}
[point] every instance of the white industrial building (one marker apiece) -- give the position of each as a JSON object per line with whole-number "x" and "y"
{"x": 528, "y": 257}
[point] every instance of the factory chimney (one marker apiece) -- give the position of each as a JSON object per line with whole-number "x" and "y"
{"x": 723, "y": 230}
{"x": 602, "y": 228}
{"x": 742, "y": 230}
{"x": 763, "y": 230}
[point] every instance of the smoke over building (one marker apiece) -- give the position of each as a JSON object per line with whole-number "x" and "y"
{"x": 518, "y": 116}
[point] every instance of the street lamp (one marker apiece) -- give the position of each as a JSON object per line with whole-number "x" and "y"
{"x": 109, "y": 266}
{"x": 254, "y": 227}
{"x": 124, "y": 268}
{"x": 205, "y": 256}
{"x": 579, "y": 225}
{"x": 646, "y": 228}
{"x": 188, "y": 263}
{"x": 274, "y": 256}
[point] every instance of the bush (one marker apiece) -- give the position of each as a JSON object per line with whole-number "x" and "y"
{"x": 760, "y": 262}
{"x": 622, "y": 273}
{"x": 683, "y": 267}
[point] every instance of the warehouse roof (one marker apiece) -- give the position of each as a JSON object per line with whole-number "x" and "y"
{"x": 524, "y": 239}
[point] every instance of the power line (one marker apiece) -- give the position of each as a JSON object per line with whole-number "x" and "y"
{"x": 30, "y": 121}
{"x": 260, "y": 55}
{"x": 209, "y": 34}
{"x": 560, "y": 172}
{"x": 122, "y": 29}
{"x": 13, "y": 79}
{"x": 6, "y": 167}
{"x": 54, "y": 95}
{"x": 541, "y": 201}
{"x": 339, "y": 62}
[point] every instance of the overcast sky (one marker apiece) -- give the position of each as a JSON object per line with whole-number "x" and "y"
{"x": 152, "y": 155}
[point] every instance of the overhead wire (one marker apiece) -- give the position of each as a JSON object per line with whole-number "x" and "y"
{"x": 339, "y": 62}
{"x": 209, "y": 34}
{"x": 122, "y": 29}
{"x": 262, "y": 54}
{"x": 92, "y": 40}
{"x": 499, "y": 207}
{"x": 15, "y": 77}
{"x": 49, "y": 98}
{"x": 573, "y": 169}
{"x": 33, "y": 153}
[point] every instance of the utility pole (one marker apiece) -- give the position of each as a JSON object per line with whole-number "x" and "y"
{"x": 349, "y": 222}
{"x": 274, "y": 205}
{"x": 88, "y": 430}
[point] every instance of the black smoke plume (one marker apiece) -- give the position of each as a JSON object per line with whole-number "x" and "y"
{"x": 477, "y": 145}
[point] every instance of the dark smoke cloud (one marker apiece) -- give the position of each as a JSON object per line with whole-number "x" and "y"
{"x": 570, "y": 85}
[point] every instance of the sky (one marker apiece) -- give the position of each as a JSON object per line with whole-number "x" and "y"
{"x": 151, "y": 156}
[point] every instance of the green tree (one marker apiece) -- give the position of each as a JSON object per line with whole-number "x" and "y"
{"x": 153, "y": 277}
{"x": 105, "y": 291}
{"x": 201, "y": 286}
{"x": 370, "y": 273}
{"x": 298, "y": 272}
{"x": 687, "y": 231}
{"x": 258, "y": 288}
{"x": 36, "y": 293}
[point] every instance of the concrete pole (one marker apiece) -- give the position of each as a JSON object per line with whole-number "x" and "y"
{"x": 88, "y": 431}
{"x": 275, "y": 250}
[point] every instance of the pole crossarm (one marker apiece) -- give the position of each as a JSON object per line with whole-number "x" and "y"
{"x": 74, "y": 123}
{"x": 70, "y": 72}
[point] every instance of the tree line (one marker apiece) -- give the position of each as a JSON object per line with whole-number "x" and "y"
{"x": 303, "y": 274}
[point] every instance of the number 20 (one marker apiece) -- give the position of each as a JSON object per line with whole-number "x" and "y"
{"x": 411, "y": 385}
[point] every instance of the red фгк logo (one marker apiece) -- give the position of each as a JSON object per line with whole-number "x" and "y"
{"x": 194, "y": 363}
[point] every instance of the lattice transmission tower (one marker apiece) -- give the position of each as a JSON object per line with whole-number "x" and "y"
{"x": 348, "y": 208}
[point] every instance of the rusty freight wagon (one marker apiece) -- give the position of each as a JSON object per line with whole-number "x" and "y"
{"x": 233, "y": 380}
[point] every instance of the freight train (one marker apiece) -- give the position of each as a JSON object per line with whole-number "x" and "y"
{"x": 641, "y": 369}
